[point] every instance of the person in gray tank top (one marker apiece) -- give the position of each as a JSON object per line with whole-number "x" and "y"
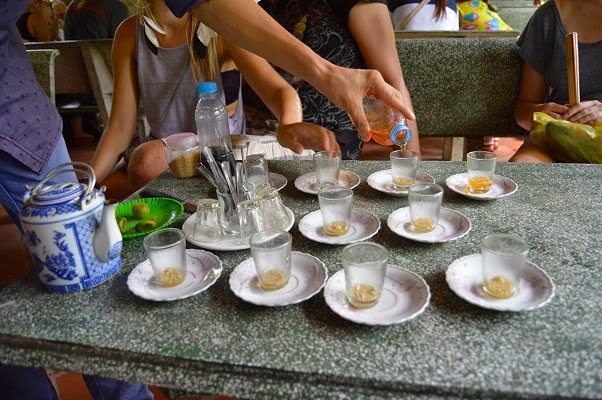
{"x": 544, "y": 83}
{"x": 157, "y": 66}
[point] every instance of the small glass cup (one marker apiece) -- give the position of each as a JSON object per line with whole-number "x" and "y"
{"x": 166, "y": 250}
{"x": 271, "y": 251}
{"x": 481, "y": 167}
{"x": 335, "y": 206}
{"x": 208, "y": 226}
{"x": 404, "y": 165}
{"x": 228, "y": 211}
{"x": 274, "y": 211}
{"x": 425, "y": 206}
{"x": 250, "y": 216}
{"x": 365, "y": 266}
{"x": 503, "y": 258}
{"x": 256, "y": 169}
{"x": 326, "y": 168}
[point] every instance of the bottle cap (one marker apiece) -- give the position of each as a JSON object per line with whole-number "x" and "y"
{"x": 181, "y": 140}
{"x": 399, "y": 129}
{"x": 207, "y": 87}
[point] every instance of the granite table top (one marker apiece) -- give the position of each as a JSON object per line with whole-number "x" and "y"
{"x": 216, "y": 343}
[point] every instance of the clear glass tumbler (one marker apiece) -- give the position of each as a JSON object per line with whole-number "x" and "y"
{"x": 166, "y": 251}
{"x": 425, "y": 206}
{"x": 335, "y": 207}
{"x": 271, "y": 251}
{"x": 481, "y": 168}
{"x": 404, "y": 165}
{"x": 503, "y": 258}
{"x": 208, "y": 226}
{"x": 365, "y": 266}
{"x": 326, "y": 168}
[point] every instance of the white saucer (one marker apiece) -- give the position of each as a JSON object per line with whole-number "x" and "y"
{"x": 227, "y": 243}
{"x": 452, "y": 225}
{"x": 501, "y": 187}
{"x": 382, "y": 182}
{"x": 277, "y": 181}
{"x": 308, "y": 276}
{"x": 405, "y": 296}
{"x": 203, "y": 269}
{"x": 464, "y": 277}
{"x": 307, "y": 182}
{"x": 364, "y": 225}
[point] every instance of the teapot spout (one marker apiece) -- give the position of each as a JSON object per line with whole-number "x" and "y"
{"x": 107, "y": 240}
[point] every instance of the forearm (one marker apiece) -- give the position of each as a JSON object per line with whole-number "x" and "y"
{"x": 106, "y": 156}
{"x": 286, "y": 106}
{"x": 523, "y": 113}
{"x": 371, "y": 28}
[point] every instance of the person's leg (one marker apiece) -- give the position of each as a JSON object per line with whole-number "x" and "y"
{"x": 15, "y": 176}
{"x": 25, "y": 383}
{"x": 146, "y": 162}
{"x": 531, "y": 153}
{"x": 112, "y": 389}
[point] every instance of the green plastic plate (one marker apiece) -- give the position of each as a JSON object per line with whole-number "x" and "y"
{"x": 166, "y": 210}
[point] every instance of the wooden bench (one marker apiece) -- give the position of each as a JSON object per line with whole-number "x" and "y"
{"x": 463, "y": 89}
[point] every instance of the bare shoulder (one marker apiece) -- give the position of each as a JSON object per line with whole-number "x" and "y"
{"x": 125, "y": 36}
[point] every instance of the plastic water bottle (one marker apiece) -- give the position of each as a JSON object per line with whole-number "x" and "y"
{"x": 212, "y": 123}
{"x": 387, "y": 125}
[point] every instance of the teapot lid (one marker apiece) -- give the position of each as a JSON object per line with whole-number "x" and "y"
{"x": 59, "y": 193}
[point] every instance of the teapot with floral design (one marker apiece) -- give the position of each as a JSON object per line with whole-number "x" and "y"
{"x": 71, "y": 231}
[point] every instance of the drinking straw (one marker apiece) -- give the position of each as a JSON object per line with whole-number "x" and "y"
{"x": 572, "y": 65}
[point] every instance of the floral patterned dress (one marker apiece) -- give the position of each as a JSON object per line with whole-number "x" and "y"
{"x": 322, "y": 25}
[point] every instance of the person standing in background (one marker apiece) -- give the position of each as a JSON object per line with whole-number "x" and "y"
{"x": 424, "y": 15}
{"x": 94, "y": 19}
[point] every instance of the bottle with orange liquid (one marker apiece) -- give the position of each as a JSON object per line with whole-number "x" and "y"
{"x": 387, "y": 125}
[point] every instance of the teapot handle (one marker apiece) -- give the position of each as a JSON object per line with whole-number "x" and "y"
{"x": 75, "y": 167}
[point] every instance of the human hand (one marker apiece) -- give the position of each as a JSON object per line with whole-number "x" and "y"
{"x": 588, "y": 112}
{"x": 347, "y": 87}
{"x": 554, "y": 110}
{"x": 303, "y": 135}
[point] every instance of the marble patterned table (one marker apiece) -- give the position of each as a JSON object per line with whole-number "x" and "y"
{"x": 216, "y": 343}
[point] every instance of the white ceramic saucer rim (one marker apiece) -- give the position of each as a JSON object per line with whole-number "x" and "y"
{"x": 239, "y": 244}
{"x": 279, "y": 177}
{"x": 335, "y": 298}
{"x": 485, "y": 196}
{"x": 202, "y": 286}
{"x": 420, "y": 177}
{"x": 340, "y": 240}
{"x": 356, "y": 181}
{"x": 492, "y": 304}
{"x": 248, "y": 263}
{"x": 417, "y": 237}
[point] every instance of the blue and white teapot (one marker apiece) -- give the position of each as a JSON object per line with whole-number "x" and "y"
{"x": 71, "y": 231}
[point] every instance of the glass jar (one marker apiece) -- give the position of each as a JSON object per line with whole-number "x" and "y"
{"x": 182, "y": 154}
